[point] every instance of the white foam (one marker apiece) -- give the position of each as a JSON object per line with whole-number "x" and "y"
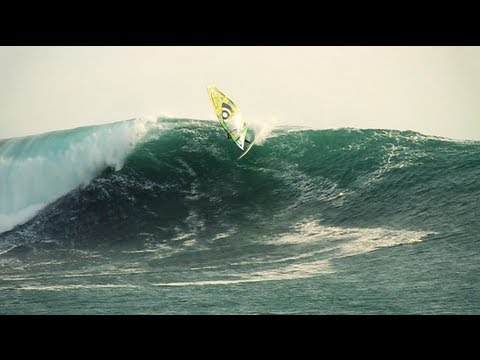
{"x": 74, "y": 287}
{"x": 292, "y": 271}
{"x": 226, "y": 234}
{"x": 349, "y": 241}
{"x": 262, "y": 128}
{"x": 338, "y": 242}
{"x": 8, "y": 221}
{"x": 38, "y": 170}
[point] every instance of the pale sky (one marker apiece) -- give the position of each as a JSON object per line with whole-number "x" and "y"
{"x": 433, "y": 90}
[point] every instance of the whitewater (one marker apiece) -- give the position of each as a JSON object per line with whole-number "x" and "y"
{"x": 129, "y": 217}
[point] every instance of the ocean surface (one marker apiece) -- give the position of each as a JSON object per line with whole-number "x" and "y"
{"x": 160, "y": 217}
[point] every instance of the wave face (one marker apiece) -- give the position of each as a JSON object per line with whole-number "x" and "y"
{"x": 36, "y": 170}
{"x": 180, "y": 180}
{"x": 161, "y": 217}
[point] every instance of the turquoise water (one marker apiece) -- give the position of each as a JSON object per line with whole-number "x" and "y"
{"x": 160, "y": 218}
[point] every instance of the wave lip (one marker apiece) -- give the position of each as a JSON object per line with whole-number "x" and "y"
{"x": 37, "y": 170}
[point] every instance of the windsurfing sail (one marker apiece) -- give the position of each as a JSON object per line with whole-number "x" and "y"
{"x": 229, "y": 116}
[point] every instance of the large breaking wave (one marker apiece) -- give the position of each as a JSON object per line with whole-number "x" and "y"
{"x": 140, "y": 182}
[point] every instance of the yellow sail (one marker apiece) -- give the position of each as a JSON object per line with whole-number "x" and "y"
{"x": 229, "y": 115}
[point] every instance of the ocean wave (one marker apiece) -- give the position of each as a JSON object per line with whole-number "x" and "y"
{"x": 180, "y": 181}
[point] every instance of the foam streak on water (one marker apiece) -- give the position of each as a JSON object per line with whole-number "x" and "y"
{"x": 160, "y": 216}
